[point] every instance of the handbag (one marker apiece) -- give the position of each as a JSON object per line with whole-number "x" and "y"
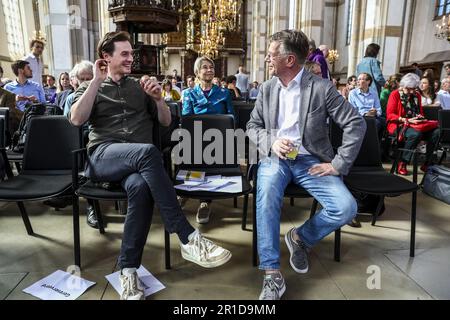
{"x": 424, "y": 126}
{"x": 437, "y": 183}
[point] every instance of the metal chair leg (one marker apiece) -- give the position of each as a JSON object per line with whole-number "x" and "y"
{"x": 25, "y": 218}
{"x": 337, "y": 245}
{"x": 244, "y": 213}
{"x": 377, "y": 212}
{"x": 313, "y": 208}
{"x": 292, "y": 202}
{"x": 412, "y": 245}
{"x": 99, "y": 215}
{"x": 76, "y": 231}
{"x": 235, "y": 202}
{"x": 167, "y": 249}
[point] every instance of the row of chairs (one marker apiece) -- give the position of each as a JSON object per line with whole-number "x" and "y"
{"x": 43, "y": 160}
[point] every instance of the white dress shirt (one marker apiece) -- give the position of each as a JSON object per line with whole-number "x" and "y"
{"x": 36, "y": 66}
{"x": 289, "y": 112}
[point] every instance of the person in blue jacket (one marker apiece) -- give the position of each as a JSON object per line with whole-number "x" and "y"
{"x": 205, "y": 98}
{"x": 369, "y": 64}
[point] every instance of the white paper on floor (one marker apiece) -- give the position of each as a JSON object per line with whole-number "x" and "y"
{"x": 59, "y": 285}
{"x": 150, "y": 283}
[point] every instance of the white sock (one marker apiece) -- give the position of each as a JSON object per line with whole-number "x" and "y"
{"x": 128, "y": 271}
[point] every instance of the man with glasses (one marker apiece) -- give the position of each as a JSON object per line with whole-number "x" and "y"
{"x": 35, "y": 60}
{"x": 291, "y": 110}
{"x": 367, "y": 102}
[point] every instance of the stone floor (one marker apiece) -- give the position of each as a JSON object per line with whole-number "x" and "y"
{"x": 385, "y": 247}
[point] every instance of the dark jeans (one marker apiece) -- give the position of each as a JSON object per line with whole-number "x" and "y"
{"x": 139, "y": 167}
{"x": 412, "y": 139}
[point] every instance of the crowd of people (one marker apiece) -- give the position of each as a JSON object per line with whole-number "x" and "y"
{"x": 93, "y": 95}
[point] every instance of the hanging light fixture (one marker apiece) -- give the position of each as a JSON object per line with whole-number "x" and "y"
{"x": 443, "y": 29}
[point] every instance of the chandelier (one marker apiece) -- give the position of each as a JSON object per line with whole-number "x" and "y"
{"x": 333, "y": 56}
{"x": 443, "y": 29}
{"x": 217, "y": 17}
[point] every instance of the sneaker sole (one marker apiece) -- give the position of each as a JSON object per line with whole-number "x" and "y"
{"x": 207, "y": 264}
{"x": 280, "y": 293}
{"x": 291, "y": 251}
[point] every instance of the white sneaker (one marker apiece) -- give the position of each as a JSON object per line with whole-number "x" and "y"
{"x": 182, "y": 201}
{"x": 204, "y": 252}
{"x": 203, "y": 213}
{"x": 132, "y": 288}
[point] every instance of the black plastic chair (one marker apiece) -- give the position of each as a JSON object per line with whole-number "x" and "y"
{"x": 47, "y": 165}
{"x": 5, "y": 162}
{"x": 431, "y": 112}
{"x": 369, "y": 177}
{"x": 444, "y": 129}
{"x": 13, "y": 157}
{"x": 93, "y": 191}
{"x": 222, "y": 123}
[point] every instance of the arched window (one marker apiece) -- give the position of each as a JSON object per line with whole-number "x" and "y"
{"x": 350, "y": 6}
{"x": 14, "y": 32}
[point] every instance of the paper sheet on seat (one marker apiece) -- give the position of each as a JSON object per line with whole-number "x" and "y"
{"x": 214, "y": 184}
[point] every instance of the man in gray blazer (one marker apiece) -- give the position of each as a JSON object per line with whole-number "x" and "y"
{"x": 289, "y": 126}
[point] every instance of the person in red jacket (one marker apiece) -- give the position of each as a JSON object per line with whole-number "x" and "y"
{"x": 405, "y": 106}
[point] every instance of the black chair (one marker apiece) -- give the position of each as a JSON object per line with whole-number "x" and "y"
{"x": 444, "y": 129}
{"x": 431, "y": 112}
{"x": 94, "y": 191}
{"x": 4, "y": 161}
{"x": 47, "y": 165}
{"x": 369, "y": 177}
{"x": 11, "y": 156}
{"x": 222, "y": 123}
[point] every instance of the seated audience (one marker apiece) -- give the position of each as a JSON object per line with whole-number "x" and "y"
{"x": 391, "y": 85}
{"x": 428, "y": 96}
{"x": 168, "y": 93}
{"x": 64, "y": 90}
{"x": 443, "y": 95}
{"x": 351, "y": 84}
{"x": 367, "y": 102}
{"x": 26, "y": 91}
{"x": 405, "y": 107}
{"x": 50, "y": 89}
{"x": 254, "y": 91}
{"x": 234, "y": 90}
{"x": 313, "y": 67}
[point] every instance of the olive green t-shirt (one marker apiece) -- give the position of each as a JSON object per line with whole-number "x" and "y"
{"x": 122, "y": 113}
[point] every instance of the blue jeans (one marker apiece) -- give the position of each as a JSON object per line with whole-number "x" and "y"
{"x": 139, "y": 168}
{"x": 339, "y": 206}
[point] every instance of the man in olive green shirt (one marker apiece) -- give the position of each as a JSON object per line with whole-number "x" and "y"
{"x": 120, "y": 111}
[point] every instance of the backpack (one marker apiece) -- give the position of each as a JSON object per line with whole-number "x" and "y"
{"x": 31, "y": 111}
{"x": 437, "y": 183}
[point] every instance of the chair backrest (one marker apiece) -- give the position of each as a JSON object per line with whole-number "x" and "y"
{"x": 444, "y": 125}
{"x": 5, "y": 112}
{"x": 431, "y": 112}
{"x": 175, "y": 108}
{"x": 2, "y": 132}
{"x": 369, "y": 154}
{"x": 219, "y": 122}
{"x": 242, "y": 112}
{"x": 49, "y": 144}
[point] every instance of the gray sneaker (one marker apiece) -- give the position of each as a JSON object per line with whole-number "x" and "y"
{"x": 132, "y": 288}
{"x": 273, "y": 287}
{"x": 299, "y": 253}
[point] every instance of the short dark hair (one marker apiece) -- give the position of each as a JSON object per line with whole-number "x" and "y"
{"x": 52, "y": 77}
{"x": 368, "y": 78}
{"x": 34, "y": 41}
{"x": 372, "y": 50}
{"x": 350, "y": 79}
{"x": 19, "y": 64}
{"x": 415, "y": 64}
{"x": 230, "y": 79}
{"x": 107, "y": 44}
{"x": 190, "y": 77}
{"x": 293, "y": 41}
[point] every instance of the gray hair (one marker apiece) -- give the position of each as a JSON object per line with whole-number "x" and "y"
{"x": 198, "y": 64}
{"x": 292, "y": 42}
{"x": 83, "y": 66}
{"x": 410, "y": 80}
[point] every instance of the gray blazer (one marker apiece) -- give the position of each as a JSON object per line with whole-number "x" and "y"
{"x": 319, "y": 100}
